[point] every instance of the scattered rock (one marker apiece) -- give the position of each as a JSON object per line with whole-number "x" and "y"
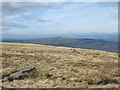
{"x": 5, "y": 79}
{"x": 21, "y": 74}
{"x": 48, "y": 75}
{"x": 107, "y": 82}
{"x": 103, "y": 83}
{"x": 69, "y": 51}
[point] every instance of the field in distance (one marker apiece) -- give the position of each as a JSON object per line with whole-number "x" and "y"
{"x": 58, "y": 68}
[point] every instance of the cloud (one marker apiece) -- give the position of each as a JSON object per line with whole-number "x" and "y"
{"x": 42, "y": 20}
{"x": 14, "y": 7}
{"x": 5, "y": 29}
{"x": 28, "y": 17}
{"x": 57, "y": 23}
{"x": 13, "y": 24}
{"x": 35, "y": 18}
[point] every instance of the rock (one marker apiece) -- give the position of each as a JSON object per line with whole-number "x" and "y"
{"x": 48, "y": 75}
{"x": 69, "y": 51}
{"x": 21, "y": 74}
{"x": 107, "y": 82}
{"x": 5, "y": 79}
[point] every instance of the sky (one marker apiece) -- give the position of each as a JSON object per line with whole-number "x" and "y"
{"x": 34, "y": 19}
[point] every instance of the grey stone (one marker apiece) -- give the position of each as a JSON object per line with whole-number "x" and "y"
{"x": 69, "y": 51}
{"x": 21, "y": 74}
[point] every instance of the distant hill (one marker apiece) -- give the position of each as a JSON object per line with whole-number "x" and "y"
{"x": 85, "y": 43}
{"x": 104, "y": 36}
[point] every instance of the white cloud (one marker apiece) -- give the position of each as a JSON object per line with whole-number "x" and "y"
{"x": 13, "y": 24}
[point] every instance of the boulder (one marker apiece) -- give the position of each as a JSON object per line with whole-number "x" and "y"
{"x": 20, "y": 74}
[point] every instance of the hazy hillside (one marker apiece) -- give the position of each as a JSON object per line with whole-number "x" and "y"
{"x": 95, "y": 44}
{"x": 104, "y": 36}
{"x": 58, "y": 68}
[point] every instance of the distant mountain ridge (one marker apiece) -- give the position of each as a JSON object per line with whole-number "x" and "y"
{"x": 85, "y": 43}
{"x": 104, "y": 36}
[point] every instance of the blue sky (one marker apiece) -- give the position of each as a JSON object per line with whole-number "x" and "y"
{"x": 45, "y": 18}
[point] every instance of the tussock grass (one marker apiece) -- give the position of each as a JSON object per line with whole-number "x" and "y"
{"x": 55, "y": 69}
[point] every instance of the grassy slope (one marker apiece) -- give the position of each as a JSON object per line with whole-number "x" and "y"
{"x": 67, "y": 70}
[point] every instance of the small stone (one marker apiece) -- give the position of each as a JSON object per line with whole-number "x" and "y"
{"x": 68, "y": 51}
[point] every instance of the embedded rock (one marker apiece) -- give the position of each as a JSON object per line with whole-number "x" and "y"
{"x": 21, "y": 74}
{"x": 69, "y": 51}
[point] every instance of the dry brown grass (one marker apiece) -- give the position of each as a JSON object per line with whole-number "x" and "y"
{"x": 75, "y": 70}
